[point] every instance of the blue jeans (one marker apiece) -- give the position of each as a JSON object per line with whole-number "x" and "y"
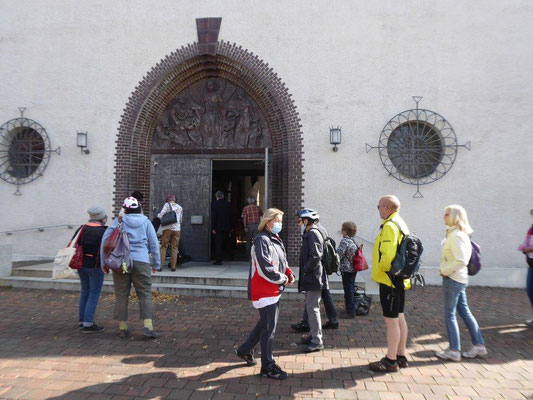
{"x": 455, "y": 300}
{"x": 92, "y": 280}
{"x": 348, "y": 283}
{"x": 530, "y": 284}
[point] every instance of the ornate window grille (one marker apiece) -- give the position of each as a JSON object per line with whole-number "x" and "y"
{"x": 417, "y": 146}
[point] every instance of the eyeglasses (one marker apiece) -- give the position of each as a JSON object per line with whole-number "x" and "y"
{"x": 377, "y": 206}
{"x": 446, "y": 215}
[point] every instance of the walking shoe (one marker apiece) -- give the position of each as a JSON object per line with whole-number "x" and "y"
{"x": 402, "y": 361}
{"x": 383, "y": 366}
{"x": 475, "y": 351}
{"x": 123, "y": 333}
{"x": 92, "y": 329}
{"x": 300, "y": 327}
{"x": 173, "y": 269}
{"x": 249, "y": 358}
{"x": 149, "y": 333}
{"x": 346, "y": 315}
{"x": 449, "y": 355}
{"x": 311, "y": 347}
{"x": 306, "y": 339}
{"x": 330, "y": 325}
{"x": 529, "y": 322}
{"x": 274, "y": 373}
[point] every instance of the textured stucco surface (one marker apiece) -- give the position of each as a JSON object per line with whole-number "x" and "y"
{"x": 349, "y": 63}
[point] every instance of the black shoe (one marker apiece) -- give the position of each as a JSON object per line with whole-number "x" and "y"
{"x": 123, "y": 333}
{"x": 249, "y": 358}
{"x": 150, "y": 333}
{"x": 330, "y": 325}
{"x": 402, "y": 361}
{"x": 383, "y": 366}
{"x": 306, "y": 339}
{"x": 92, "y": 329}
{"x": 311, "y": 347}
{"x": 300, "y": 327}
{"x": 274, "y": 373}
{"x": 217, "y": 263}
{"x": 173, "y": 269}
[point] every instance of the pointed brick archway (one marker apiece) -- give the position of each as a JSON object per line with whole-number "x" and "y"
{"x": 183, "y": 68}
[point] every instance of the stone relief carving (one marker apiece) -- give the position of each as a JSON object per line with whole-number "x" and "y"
{"x": 212, "y": 113}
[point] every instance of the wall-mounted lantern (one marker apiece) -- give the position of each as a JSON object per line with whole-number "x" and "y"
{"x": 82, "y": 142}
{"x": 335, "y": 137}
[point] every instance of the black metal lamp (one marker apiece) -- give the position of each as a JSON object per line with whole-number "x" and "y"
{"x": 335, "y": 137}
{"x": 82, "y": 142}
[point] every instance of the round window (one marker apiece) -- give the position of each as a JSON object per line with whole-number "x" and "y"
{"x": 415, "y": 148}
{"x": 24, "y": 151}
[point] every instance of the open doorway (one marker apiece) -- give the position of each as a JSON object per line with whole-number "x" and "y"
{"x": 238, "y": 180}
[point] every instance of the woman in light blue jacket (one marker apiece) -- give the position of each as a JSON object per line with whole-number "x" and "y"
{"x": 143, "y": 242}
{"x": 456, "y": 253}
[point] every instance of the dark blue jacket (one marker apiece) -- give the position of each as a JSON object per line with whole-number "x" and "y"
{"x": 312, "y": 273}
{"x": 221, "y": 216}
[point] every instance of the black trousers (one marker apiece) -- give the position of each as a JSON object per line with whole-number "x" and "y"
{"x": 221, "y": 244}
{"x": 263, "y": 332}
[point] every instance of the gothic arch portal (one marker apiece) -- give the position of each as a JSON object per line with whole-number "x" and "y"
{"x": 183, "y": 68}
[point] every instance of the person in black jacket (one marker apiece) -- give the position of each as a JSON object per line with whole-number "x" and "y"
{"x": 91, "y": 276}
{"x": 220, "y": 225}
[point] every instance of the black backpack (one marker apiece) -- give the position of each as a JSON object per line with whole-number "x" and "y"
{"x": 407, "y": 261}
{"x": 330, "y": 258}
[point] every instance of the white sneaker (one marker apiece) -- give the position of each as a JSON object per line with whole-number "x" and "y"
{"x": 449, "y": 355}
{"x": 475, "y": 351}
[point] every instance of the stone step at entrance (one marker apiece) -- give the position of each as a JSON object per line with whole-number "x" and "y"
{"x": 191, "y": 279}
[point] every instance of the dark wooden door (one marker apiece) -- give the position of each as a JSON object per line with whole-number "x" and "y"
{"x": 189, "y": 178}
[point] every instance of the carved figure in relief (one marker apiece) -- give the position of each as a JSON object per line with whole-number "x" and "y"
{"x": 212, "y": 114}
{"x": 187, "y": 120}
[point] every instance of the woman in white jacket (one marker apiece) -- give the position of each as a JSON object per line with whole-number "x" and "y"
{"x": 456, "y": 252}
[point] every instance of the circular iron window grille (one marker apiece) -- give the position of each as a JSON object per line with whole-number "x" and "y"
{"x": 24, "y": 151}
{"x": 417, "y": 146}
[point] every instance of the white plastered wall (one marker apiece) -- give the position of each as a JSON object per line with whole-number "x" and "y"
{"x": 349, "y": 63}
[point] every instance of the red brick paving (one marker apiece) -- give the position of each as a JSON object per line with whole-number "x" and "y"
{"x": 44, "y": 356}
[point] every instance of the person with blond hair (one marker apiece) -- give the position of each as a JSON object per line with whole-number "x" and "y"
{"x": 269, "y": 274}
{"x": 456, "y": 253}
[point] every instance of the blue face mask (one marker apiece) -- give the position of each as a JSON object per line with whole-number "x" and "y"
{"x": 276, "y": 228}
{"x": 303, "y": 228}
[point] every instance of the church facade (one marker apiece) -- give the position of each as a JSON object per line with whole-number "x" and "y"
{"x": 294, "y": 104}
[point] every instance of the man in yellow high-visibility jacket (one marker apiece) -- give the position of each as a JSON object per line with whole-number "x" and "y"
{"x": 391, "y": 293}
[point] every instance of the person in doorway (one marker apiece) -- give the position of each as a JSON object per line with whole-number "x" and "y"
{"x": 391, "y": 292}
{"x": 313, "y": 279}
{"x": 347, "y": 248}
{"x": 91, "y": 276}
{"x": 143, "y": 242}
{"x": 171, "y": 233}
{"x": 269, "y": 274}
{"x": 221, "y": 225}
{"x": 251, "y": 215}
{"x": 527, "y": 249}
{"x": 456, "y": 252}
{"x": 327, "y": 299}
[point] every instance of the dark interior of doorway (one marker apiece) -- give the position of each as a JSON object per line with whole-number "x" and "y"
{"x": 234, "y": 177}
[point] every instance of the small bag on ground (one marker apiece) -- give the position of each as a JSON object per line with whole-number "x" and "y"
{"x": 362, "y": 301}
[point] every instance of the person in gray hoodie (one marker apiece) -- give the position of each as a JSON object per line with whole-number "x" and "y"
{"x": 143, "y": 242}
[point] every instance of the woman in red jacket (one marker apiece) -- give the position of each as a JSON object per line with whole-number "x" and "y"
{"x": 269, "y": 274}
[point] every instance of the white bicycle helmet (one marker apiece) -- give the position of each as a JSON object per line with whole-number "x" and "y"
{"x": 308, "y": 213}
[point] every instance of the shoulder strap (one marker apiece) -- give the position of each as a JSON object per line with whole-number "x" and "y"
{"x": 324, "y": 237}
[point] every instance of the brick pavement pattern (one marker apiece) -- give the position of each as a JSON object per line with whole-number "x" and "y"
{"x": 44, "y": 356}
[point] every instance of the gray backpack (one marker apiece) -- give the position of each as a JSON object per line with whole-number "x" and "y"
{"x": 119, "y": 258}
